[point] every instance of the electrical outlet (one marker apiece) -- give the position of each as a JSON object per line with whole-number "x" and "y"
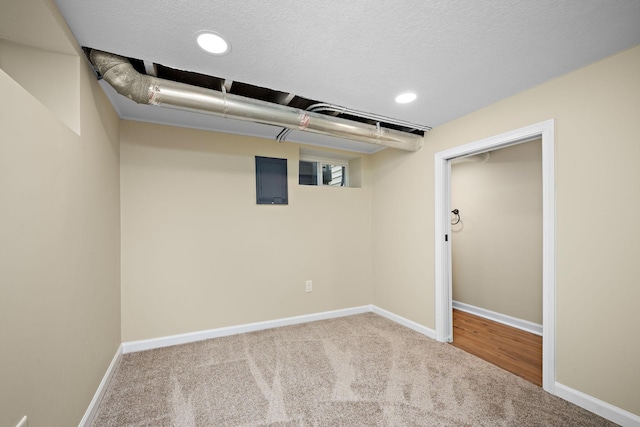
{"x": 309, "y": 285}
{"x": 23, "y": 422}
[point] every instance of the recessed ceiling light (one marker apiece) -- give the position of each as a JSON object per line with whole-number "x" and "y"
{"x": 213, "y": 43}
{"x": 406, "y": 97}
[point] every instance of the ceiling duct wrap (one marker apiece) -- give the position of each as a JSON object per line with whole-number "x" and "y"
{"x": 144, "y": 89}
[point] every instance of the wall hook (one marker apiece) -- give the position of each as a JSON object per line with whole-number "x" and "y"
{"x": 457, "y": 219}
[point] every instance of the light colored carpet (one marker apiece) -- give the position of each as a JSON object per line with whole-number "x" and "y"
{"x": 361, "y": 370}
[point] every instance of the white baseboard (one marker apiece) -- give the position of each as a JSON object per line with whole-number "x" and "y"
{"x": 514, "y": 322}
{"x": 405, "y": 322}
{"x": 597, "y": 406}
{"x": 605, "y": 410}
{"x": 133, "y": 346}
{"x": 90, "y": 413}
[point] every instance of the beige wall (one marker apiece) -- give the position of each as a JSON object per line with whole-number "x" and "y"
{"x": 596, "y": 110}
{"x": 28, "y": 66}
{"x": 496, "y": 248}
{"x": 198, "y": 253}
{"x": 59, "y": 241}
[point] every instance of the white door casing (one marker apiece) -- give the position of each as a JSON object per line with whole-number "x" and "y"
{"x": 443, "y": 292}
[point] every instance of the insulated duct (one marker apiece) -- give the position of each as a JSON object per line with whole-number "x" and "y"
{"x": 143, "y": 89}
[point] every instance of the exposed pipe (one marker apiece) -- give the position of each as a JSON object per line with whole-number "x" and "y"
{"x": 344, "y": 110}
{"x": 143, "y": 89}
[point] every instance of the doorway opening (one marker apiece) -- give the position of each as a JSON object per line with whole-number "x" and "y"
{"x": 443, "y": 276}
{"x": 496, "y": 255}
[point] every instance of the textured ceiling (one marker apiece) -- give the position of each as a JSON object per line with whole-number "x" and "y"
{"x": 457, "y": 55}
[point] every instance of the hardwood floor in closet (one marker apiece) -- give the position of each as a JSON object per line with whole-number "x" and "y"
{"x": 512, "y": 349}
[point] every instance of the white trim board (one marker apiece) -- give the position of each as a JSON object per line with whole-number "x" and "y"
{"x": 90, "y": 413}
{"x": 583, "y": 400}
{"x": 404, "y": 322}
{"x": 133, "y": 346}
{"x": 597, "y": 406}
{"x": 514, "y": 322}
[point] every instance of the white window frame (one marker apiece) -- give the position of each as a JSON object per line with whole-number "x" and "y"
{"x": 320, "y": 161}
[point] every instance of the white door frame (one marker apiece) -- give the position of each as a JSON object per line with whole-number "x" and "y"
{"x": 443, "y": 293}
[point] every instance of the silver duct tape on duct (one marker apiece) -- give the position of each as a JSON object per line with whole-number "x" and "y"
{"x": 143, "y": 89}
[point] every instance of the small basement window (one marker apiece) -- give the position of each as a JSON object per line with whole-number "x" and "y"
{"x": 324, "y": 172}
